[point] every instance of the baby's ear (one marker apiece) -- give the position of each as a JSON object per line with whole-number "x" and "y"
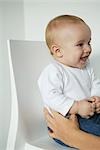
{"x": 56, "y": 51}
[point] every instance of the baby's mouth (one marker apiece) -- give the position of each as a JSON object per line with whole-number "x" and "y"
{"x": 84, "y": 59}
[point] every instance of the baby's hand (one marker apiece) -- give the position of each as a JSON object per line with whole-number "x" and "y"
{"x": 86, "y": 108}
{"x": 97, "y": 104}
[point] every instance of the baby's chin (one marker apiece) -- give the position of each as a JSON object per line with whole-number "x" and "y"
{"x": 78, "y": 67}
{"x": 82, "y": 66}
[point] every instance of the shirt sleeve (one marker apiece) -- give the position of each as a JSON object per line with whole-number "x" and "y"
{"x": 51, "y": 85}
{"x": 95, "y": 83}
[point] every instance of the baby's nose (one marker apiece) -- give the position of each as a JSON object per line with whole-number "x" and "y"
{"x": 87, "y": 49}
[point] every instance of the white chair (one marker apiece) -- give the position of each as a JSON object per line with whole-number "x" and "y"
{"x": 28, "y": 129}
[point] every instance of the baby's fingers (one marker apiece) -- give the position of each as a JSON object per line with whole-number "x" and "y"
{"x": 93, "y": 107}
{"x": 91, "y": 114}
{"x": 98, "y": 110}
{"x": 98, "y": 105}
{"x": 91, "y": 100}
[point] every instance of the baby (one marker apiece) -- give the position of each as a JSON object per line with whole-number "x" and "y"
{"x": 68, "y": 85}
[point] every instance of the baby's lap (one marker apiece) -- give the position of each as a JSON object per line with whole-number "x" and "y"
{"x": 95, "y": 119}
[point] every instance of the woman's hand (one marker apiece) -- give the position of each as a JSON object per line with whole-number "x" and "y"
{"x": 62, "y": 128}
{"x": 67, "y": 130}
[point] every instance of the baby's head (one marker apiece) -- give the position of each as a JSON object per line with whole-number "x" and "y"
{"x": 68, "y": 38}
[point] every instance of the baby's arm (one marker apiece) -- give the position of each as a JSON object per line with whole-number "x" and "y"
{"x": 84, "y": 108}
{"x": 51, "y": 86}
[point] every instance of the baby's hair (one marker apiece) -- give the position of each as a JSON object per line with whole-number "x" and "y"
{"x": 54, "y": 25}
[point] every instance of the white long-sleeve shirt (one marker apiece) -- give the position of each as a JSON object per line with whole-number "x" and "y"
{"x": 61, "y": 85}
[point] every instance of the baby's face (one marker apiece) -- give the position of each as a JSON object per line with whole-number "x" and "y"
{"x": 74, "y": 43}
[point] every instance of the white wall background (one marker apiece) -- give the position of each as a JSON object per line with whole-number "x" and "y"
{"x": 27, "y": 19}
{"x": 11, "y": 27}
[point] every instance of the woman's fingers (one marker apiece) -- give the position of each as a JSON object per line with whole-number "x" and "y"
{"x": 59, "y": 124}
{"x": 73, "y": 117}
{"x": 48, "y": 116}
{"x": 52, "y": 134}
{"x": 50, "y": 122}
{"x": 46, "y": 112}
{"x": 55, "y": 114}
{"x": 50, "y": 125}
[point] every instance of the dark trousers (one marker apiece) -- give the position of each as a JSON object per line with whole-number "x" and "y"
{"x": 91, "y": 125}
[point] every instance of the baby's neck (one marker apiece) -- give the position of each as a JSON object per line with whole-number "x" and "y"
{"x": 61, "y": 61}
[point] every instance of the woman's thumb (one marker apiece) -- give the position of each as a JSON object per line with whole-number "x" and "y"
{"x": 73, "y": 117}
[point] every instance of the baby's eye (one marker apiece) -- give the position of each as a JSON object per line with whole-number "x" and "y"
{"x": 81, "y": 44}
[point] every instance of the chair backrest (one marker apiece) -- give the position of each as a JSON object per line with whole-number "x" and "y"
{"x": 28, "y": 60}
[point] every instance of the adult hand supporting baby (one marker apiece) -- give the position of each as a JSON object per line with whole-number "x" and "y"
{"x": 67, "y": 130}
{"x": 56, "y": 122}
